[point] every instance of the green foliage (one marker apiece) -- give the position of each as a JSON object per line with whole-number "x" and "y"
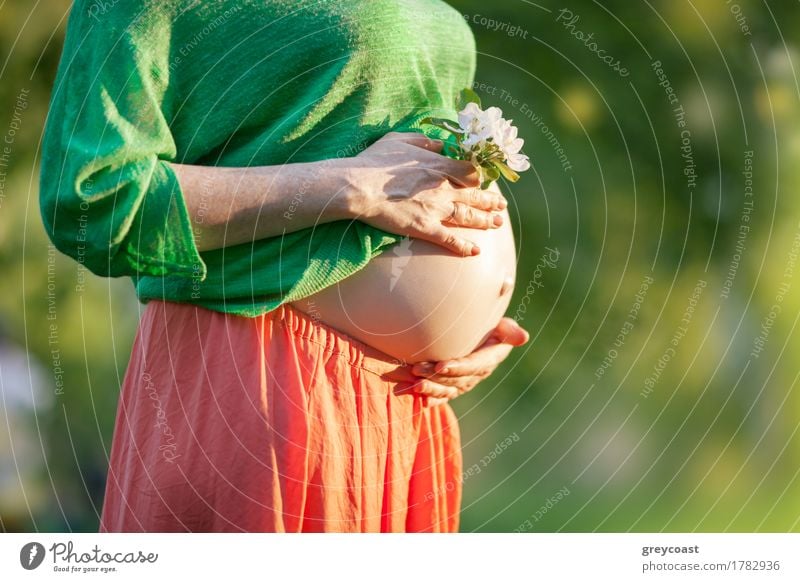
{"x": 489, "y": 160}
{"x": 466, "y": 96}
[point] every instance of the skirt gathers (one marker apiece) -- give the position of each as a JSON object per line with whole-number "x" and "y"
{"x": 277, "y": 423}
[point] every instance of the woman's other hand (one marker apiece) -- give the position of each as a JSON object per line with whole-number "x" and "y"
{"x": 402, "y": 184}
{"x": 445, "y": 380}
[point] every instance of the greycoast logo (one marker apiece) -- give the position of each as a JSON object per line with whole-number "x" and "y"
{"x": 31, "y": 555}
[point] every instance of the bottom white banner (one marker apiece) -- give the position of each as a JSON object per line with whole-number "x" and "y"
{"x": 390, "y": 557}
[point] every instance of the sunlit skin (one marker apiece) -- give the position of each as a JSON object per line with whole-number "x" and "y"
{"x": 455, "y": 283}
{"x": 420, "y": 302}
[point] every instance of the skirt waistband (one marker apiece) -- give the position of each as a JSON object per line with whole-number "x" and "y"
{"x": 355, "y": 351}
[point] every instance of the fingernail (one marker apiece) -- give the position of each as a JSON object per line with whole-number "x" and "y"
{"x": 475, "y": 250}
{"x": 423, "y": 368}
{"x": 503, "y": 203}
{"x": 497, "y": 220}
{"x": 445, "y": 370}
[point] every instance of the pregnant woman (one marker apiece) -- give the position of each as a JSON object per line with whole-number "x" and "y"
{"x": 319, "y": 280}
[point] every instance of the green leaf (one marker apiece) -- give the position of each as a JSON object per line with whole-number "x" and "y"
{"x": 436, "y": 121}
{"x": 489, "y": 173}
{"x": 451, "y": 151}
{"x": 507, "y": 172}
{"x": 467, "y": 95}
{"x": 441, "y": 123}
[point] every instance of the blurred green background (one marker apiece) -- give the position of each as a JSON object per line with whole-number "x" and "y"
{"x": 664, "y": 137}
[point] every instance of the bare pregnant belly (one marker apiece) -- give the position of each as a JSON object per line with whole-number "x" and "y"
{"x": 419, "y": 302}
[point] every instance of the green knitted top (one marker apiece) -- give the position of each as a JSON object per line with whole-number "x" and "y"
{"x": 231, "y": 83}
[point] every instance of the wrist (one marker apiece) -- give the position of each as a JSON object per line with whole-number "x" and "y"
{"x": 352, "y": 191}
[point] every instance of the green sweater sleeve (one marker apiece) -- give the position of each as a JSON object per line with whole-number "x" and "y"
{"x": 108, "y": 195}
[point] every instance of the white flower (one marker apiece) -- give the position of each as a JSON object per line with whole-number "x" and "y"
{"x": 485, "y": 139}
{"x": 505, "y": 137}
{"x": 480, "y": 127}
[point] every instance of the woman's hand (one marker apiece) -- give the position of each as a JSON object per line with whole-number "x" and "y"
{"x": 448, "y": 379}
{"x": 403, "y": 185}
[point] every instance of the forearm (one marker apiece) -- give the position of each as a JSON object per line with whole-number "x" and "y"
{"x": 230, "y": 206}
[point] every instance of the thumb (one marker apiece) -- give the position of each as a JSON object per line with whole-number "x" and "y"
{"x": 509, "y": 331}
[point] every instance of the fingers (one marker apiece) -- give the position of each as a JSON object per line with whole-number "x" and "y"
{"x": 467, "y": 216}
{"x": 481, "y": 199}
{"x": 435, "y": 390}
{"x": 432, "y": 394}
{"x": 427, "y": 370}
{"x": 432, "y": 145}
{"x": 461, "y": 384}
{"x": 481, "y": 362}
{"x": 445, "y": 237}
{"x": 460, "y": 173}
{"x": 424, "y": 369}
{"x": 510, "y": 332}
{"x": 415, "y": 139}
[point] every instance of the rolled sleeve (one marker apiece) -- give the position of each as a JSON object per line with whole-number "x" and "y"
{"x": 160, "y": 239}
{"x": 108, "y": 194}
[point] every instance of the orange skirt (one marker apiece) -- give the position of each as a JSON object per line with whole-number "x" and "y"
{"x": 276, "y": 423}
